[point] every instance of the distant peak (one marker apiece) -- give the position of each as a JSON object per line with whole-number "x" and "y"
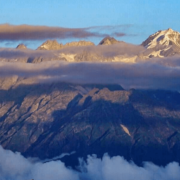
{"x": 108, "y": 41}
{"x": 50, "y": 45}
{"x": 164, "y": 38}
{"x": 21, "y": 46}
{"x": 170, "y": 30}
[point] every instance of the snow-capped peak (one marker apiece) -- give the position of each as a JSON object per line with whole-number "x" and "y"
{"x": 165, "y": 38}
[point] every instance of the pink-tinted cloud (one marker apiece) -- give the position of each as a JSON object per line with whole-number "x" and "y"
{"x": 27, "y": 32}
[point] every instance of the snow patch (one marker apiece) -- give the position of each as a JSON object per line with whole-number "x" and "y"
{"x": 125, "y": 130}
{"x": 68, "y": 57}
{"x": 163, "y": 38}
{"x": 125, "y": 59}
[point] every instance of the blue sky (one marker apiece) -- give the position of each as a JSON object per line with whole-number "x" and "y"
{"x": 144, "y": 16}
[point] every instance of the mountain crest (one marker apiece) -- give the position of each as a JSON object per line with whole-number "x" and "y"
{"x": 21, "y": 46}
{"x": 108, "y": 41}
{"x": 163, "y": 38}
{"x": 50, "y": 45}
{"x": 54, "y": 45}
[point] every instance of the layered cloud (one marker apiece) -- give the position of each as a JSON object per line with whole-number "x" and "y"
{"x": 106, "y": 51}
{"x": 157, "y": 74}
{"x": 120, "y": 48}
{"x": 8, "y": 53}
{"x": 13, "y": 166}
{"x": 27, "y": 32}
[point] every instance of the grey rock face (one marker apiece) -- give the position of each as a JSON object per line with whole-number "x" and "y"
{"x": 46, "y": 120}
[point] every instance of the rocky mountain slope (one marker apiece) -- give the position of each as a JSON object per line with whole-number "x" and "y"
{"x": 162, "y": 44}
{"x": 50, "y": 45}
{"x": 21, "y": 46}
{"x": 165, "y": 38}
{"x": 46, "y": 120}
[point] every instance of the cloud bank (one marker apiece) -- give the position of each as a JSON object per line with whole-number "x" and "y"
{"x": 157, "y": 74}
{"x": 106, "y": 51}
{"x": 28, "y": 32}
{"x": 121, "y": 48}
{"x": 13, "y": 166}
{"x": 9, "y": 53}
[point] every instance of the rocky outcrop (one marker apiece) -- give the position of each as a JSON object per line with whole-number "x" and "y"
{"x": 50, "y": 45}
{"x": 21, "y": 46}
{"x": 54, "y": 45}
{"x": 108, "y": 41}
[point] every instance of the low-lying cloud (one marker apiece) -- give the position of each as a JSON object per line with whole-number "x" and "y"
{"x": 121, "y": 48}
{"x": 154, "y": 74}
{"x": 9, "y": 53}
{"x": 13, "y": 166}
{"x": 106, "y": 51}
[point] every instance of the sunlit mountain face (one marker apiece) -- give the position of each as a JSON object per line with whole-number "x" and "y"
{"x": 89, "y": 90}
{"x": 83, "y": 105}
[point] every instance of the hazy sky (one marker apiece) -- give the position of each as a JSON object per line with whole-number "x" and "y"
{"x": 144, "y": 16}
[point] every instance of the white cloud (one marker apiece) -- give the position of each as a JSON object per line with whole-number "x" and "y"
{"x": 13, "y": 166}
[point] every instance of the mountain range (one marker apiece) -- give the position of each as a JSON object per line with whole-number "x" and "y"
{"x": 161, "y": 44}
{"x": 48, "y": 119}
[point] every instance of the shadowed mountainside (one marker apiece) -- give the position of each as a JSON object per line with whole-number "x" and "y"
{"x": 50, "y": 119}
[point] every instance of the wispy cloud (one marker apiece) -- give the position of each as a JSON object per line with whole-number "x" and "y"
{"x": 119, "y": 34}
{"x": 27, "y": 32}
{"x": 108, "y": 27}
{"x": 116, "y": 30}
